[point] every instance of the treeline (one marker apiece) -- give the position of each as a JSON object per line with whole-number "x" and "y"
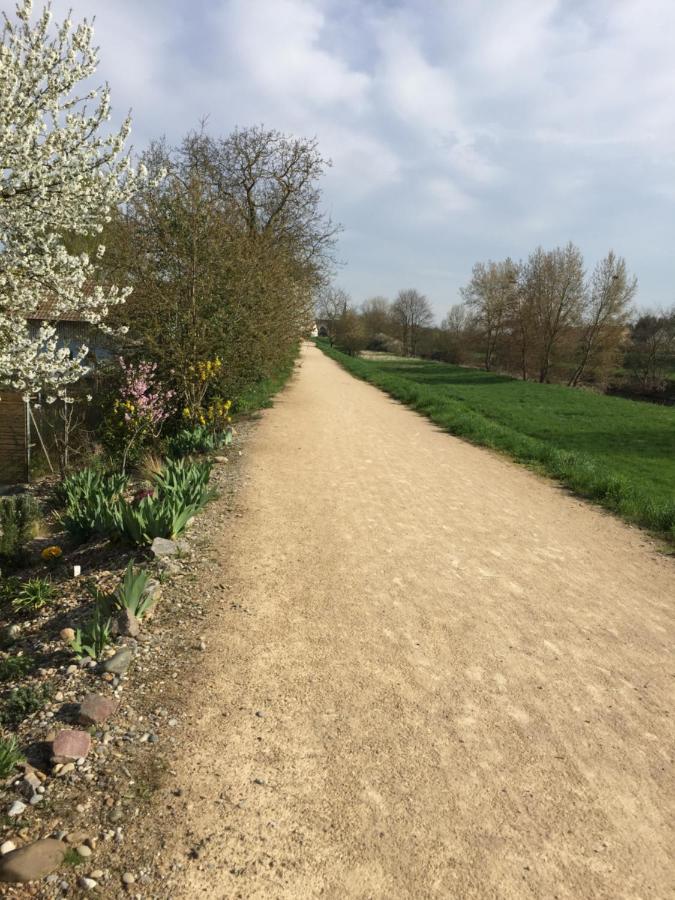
{"x": 224, "y": 246}
{"x": 544, "y": 319}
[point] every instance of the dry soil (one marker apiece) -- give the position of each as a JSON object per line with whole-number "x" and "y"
{"x": 430, "y": 674}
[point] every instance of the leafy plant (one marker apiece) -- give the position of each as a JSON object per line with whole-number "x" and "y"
{"x": 34, "y": 594}
{"x": 91, "y": 499}
{"x": 185, "y": 480}
{"x": 18, "y": 518}
{"x": 22, "y": 702}
{"x": 10, "y": 755}
{"x": 196, "y": 440}
{"x": 151, "y": 518}
{"x": 12, "y": 667}
{"x": 133, "y": 593}
{"x": 92, "y": 639}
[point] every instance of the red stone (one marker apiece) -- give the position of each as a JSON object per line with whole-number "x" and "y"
{"x": 95, "y": 709}
{"x": 70, "y": 745}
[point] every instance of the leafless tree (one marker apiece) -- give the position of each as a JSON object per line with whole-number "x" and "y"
{"x": 411, "y": 312}
{"x": 331, "y": 303}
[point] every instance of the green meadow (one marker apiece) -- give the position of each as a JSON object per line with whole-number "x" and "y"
{"x": 620, "y": 453}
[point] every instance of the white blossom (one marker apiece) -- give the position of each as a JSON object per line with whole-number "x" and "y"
{"x": 57, "y": 175}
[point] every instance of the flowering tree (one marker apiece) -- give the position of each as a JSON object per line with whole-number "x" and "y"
{"x": 143, "y": 406}
{"x": 58, "y": 176}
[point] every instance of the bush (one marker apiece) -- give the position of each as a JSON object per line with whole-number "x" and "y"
{"x": 10, "y": 756}
{"x": 12, "y": 667}
{"x": 18, "y": 519}
{"x": 91, "y": 499}
{"x": 200, "y": 439}
{"x": 23, "y": 702}
{"x": 34, "y": 594}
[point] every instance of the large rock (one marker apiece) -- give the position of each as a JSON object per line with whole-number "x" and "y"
{"x": 162, "y": 547}
{"x": 96, "y": 709}
{"x": 119, "y": 663}
{"x": 33, "y": 861}
{"x": 70, "y": 745}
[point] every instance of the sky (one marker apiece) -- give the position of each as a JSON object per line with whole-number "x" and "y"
{"x": 458, "y": 131}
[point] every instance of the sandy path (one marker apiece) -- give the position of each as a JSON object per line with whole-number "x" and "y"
{"x": 432, "y": 674}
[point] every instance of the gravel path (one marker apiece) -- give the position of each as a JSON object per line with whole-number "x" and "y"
{"x": 430, "y": 674}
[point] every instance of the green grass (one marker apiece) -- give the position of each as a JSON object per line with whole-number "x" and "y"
{"x": 620, "y": 453}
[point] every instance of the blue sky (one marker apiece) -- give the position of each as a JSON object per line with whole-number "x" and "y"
{"x": 458, "y": 131}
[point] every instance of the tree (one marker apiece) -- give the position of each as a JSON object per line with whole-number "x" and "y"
{"x": 376, "y": 318}
{"x": 411, "y": 312}
{"x": 488, "y": 296}
{"x": 331, "y": 303}
{"x": 652, "y": 348}
{"x": 554, "y": 283}
{"x": 213, "y": 277}
{"x": 58, "y": 175}
{"x": 605, "y": 313}
{"x": 350, "y": 334}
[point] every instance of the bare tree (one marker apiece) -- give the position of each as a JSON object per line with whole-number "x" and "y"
{"x": 652, "y": 348}
{"x": 331, "y": 303}
{"x": 488, "y": 295}
{"x": 411, "y": 312}
{"x": 606, "y": 312}
{"x": 554, "y": 281}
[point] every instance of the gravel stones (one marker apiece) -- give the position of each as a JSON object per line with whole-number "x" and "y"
{"x": 16, "y": 809}
{"x": 32, "y": 862}
{"x": 95, "y": 709}
{"x": 70, "y": 745}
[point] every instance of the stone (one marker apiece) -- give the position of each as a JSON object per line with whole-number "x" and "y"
{"x": 83, "y": 851}
{"x": 162, "y": 547}
{"x": 119, "y": 663}
{"x": 32, "y": 781}
{"x": 127, "y": 624}
{"x": 7, "y": 847}
{"x": 128, "y": 878}
{"x": 220, "y": 459}
{"x": 88, "y": 884}
{"x": 95, "y": 709}
{"x": 33, "y": 861}
{"x": 16, "y": 809}
{"x": 67, "y": 635}
{"x": 69, "y": 745}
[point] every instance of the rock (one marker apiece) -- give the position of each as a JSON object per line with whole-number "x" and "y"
{"x": 7, "y": 847}
{"x": 33, "y": 861}
{"x": 119, "y": 663}
{"x": 220, "y": 459}
{"x": 69, "y": 745}
{"x": 126, "y": 624}
{"x": 162, "y": 547}
{"x": 95, "y": 709}
{"x": 83, "y": 851}
{"x": 72, "y": 669}
{"x": 88, "y": 884}
{"x": 67, "y": 635}
{"x": 97, "y": 874}
{"x": 58, "y": 696}
{"x": 16, "y": 809}
{"x": 128, "y": 878}
{"x": 31, "y": 780}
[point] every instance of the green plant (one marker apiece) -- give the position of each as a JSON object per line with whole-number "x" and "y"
{"x": 185, "y": 480}
{"x": 12, "y": 667}
{"x": 10, "y": 755}
{"x": 91, "y": 499}
{"x": 198, "y": 439}
{"x": 34, "y": 594}
{"x": 18, "y": 519}
{"x": 143, "y": 522}
{"x": 132, "y": 593}
{"x": 22, "y": 702}
{"x": 92, "y": 639}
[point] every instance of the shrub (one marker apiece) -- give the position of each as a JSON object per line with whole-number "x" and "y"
{"x": 185, "y": 481}
{"x": 91, "y": 499}
{"x": 10, "y": 756}
{"x": 22, "y": 702}
{"x": 18, "y": 519}
{"x": 196, "y": 440}
{"x": 92, "y": 639}
{"x": 12, "y": 667}
{"x": 132, "y": 593}
{"x": 34, "y": 594}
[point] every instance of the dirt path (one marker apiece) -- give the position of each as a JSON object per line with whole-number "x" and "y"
{"x": 431, "y": 674}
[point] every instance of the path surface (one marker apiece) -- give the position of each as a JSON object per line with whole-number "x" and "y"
{"x": 435, "y": 675}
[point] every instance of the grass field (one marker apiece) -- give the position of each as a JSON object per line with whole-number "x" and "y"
{"x": 620, "y": 453}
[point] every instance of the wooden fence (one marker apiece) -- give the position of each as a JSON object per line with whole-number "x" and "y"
{"x": 14, "y": 458}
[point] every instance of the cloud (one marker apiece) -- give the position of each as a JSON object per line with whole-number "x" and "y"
{"x": 457, "y": 131}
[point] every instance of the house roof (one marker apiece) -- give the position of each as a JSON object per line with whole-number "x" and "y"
{"x": 47, "y": 312}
